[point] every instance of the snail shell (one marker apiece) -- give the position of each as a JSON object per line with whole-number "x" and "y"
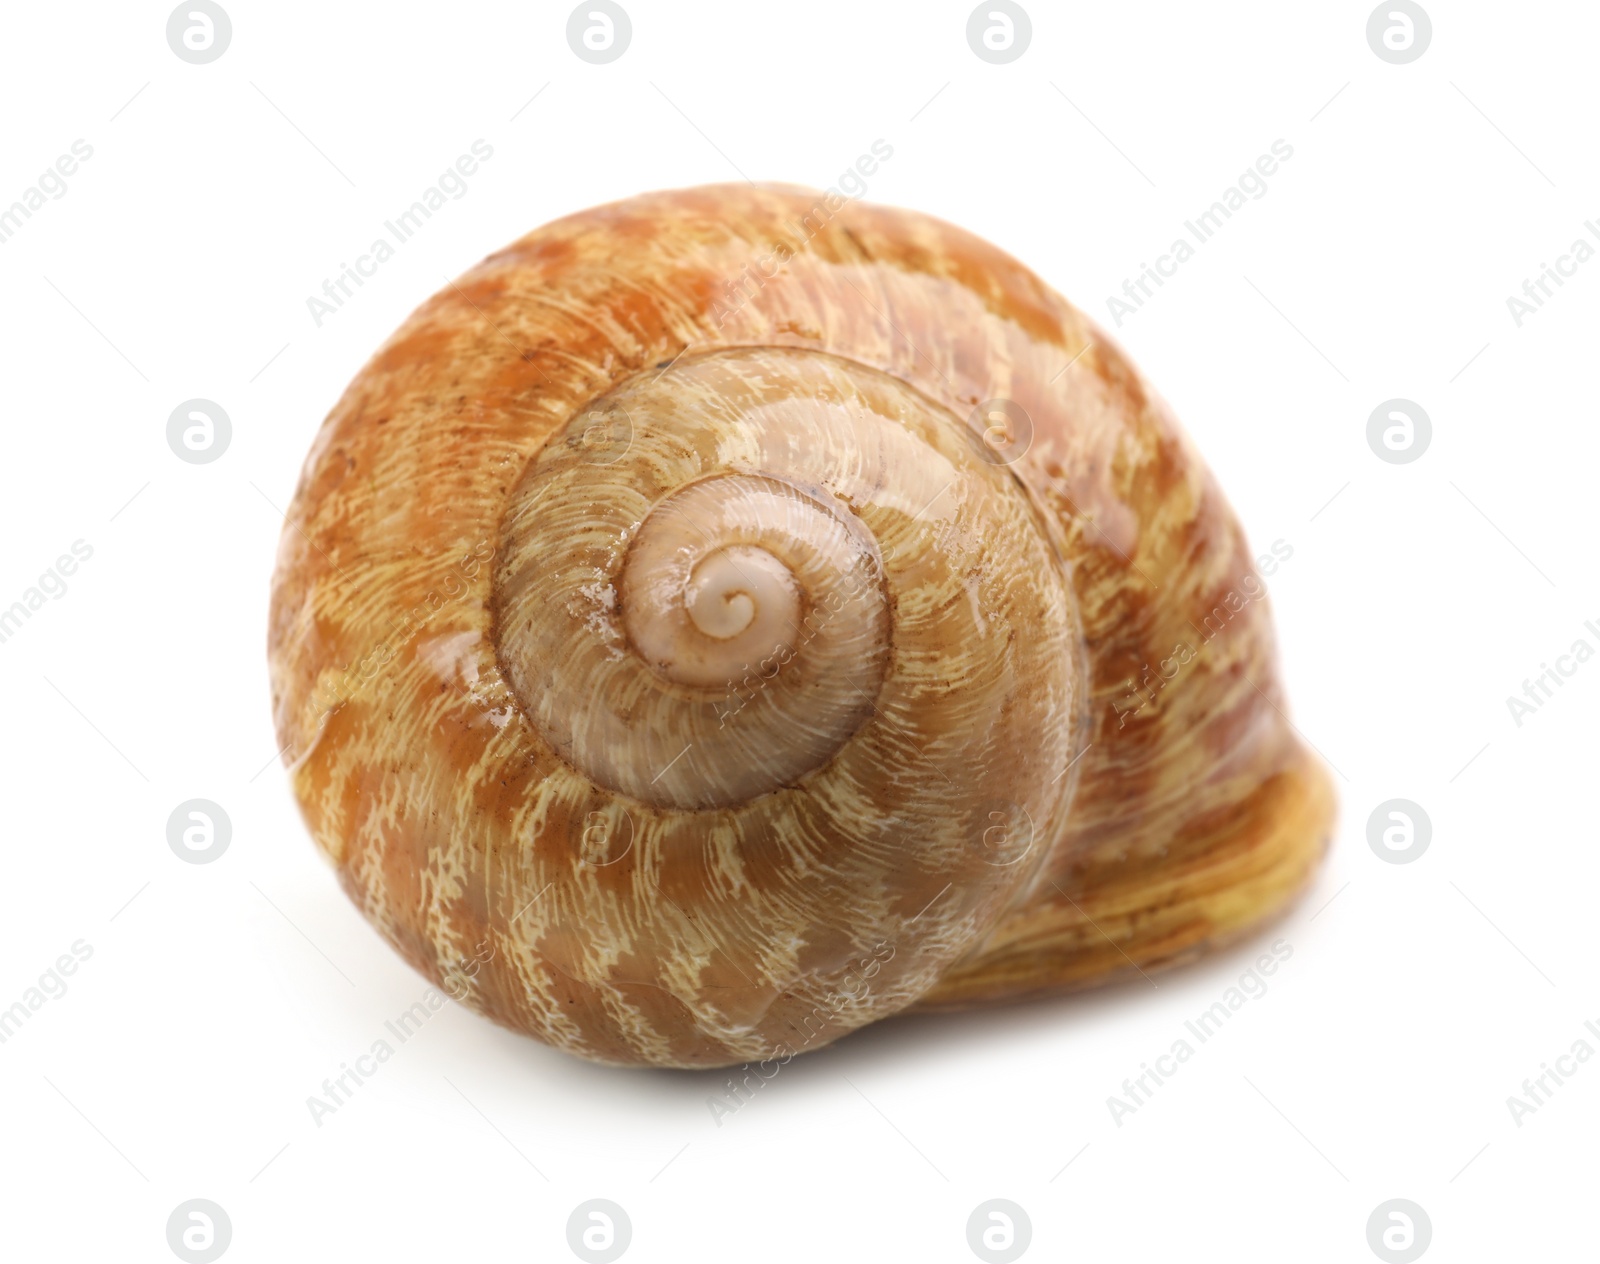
{"x": 710, "y": 625}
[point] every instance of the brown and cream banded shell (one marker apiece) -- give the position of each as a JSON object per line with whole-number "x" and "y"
{"x": 725, "y": 618}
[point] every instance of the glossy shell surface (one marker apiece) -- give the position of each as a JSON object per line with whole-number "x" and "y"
{"x": 731, "y": 616}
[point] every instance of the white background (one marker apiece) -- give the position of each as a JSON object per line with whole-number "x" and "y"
{"x": 1418, "y": 996}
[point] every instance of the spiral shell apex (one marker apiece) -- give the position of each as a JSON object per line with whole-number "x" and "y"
{"x": 705, "y": 627}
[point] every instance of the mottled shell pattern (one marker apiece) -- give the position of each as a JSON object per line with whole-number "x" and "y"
{"x": 722, "y": 619}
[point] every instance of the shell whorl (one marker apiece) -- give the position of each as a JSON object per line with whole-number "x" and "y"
{"x": 761, "y": 551}
{"x": 787, "y": 623}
